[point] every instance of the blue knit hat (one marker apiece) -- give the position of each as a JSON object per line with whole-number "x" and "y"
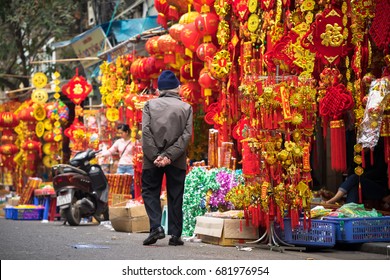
{"x": 167, "y": 80}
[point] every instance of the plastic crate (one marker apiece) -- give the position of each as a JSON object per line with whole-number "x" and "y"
{"x": 321, "y": 234}
{"x": 361, "y": 230}
{"x": 27, "y": 213}
{"x": 8, "y": 212}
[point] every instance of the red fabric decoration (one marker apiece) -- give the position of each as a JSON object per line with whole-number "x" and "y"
{"x": 380, "y": 27}
{"x": 77, "y": 89}
{"x": 326, "y": 36}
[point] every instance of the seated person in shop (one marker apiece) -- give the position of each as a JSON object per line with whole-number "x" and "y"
{"x": 374, "y": 180}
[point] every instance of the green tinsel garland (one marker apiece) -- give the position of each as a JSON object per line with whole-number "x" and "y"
{"x": 198, "y": 182}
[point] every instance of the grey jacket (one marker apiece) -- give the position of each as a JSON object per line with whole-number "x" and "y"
{"x": 166, "y": 129}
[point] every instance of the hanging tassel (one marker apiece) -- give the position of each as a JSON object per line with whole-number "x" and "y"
{"x": 246, "y": 215}
{"x": 360, "y": 192}
{"x": 338, "y": 148}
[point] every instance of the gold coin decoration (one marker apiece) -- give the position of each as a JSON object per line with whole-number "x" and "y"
{"x": 39, "y": 113}
{"x": 39, "y": 129}
{"x": 112, "y": 114}
{"x": 253, "y": 22}
{"x": 252, "y": 5}
{"x": 39, "y": 80}
{"x": 39, "y": 96}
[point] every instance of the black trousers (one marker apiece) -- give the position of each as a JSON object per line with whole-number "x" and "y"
{"x": 151, "y": 190}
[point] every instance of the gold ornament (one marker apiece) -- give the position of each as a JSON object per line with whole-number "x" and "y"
{"x": 39, "y": 80}
{"x": 39, "y": 129}
{"x": 39, "y": 113}
{"x": 39, "y": 96}
{"x": 252, "y": 5}
{"x": 253, "y": 22}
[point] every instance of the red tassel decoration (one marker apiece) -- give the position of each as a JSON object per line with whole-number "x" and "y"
{"x": 338, "y": 149}
{"x": 372, "y": 156}
{"x": 360, "y": 193}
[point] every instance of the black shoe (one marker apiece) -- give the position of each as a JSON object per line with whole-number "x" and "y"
{"x": 175, "y": 241}
{"x": 154, "y": 235}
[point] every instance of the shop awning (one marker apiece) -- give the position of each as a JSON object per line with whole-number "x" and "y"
{"x": 122, "y": 30}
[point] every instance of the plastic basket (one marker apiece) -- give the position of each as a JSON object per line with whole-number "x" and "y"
{"x": 361, "y": 230}
{"x": 27, "y": 213}
{"x": 8, "y": 212}
{"x": 321, "y": 234}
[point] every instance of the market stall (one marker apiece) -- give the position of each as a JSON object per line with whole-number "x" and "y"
{"x": 269, "y": 82}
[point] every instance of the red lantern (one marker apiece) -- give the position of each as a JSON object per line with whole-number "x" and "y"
{"x": 187, "y": 73}
{"x": 190, "y": 91}
{"x": 150, "y": 67}
{"x": 206, "y": 50}
{"x": 31, "y": 145}
{"x": 8, "y": 136}
{"x": 206, "y": 81}
{"x": 167, "y": 45}
{"x": 190, "y": 37}
{"x": 8, "y": 119}
{"x": 8, "y": 149}
{"x": 203, "y": 6}
{"x": 175, "y": 31}
{"x": 207, "y": 24}
{"x": 162, "y": 8}
{"x": 151, "y": 45}
{"x": 27, "y": 114}
{"x": 177, "y": 8}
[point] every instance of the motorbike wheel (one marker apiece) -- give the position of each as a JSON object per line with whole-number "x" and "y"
{"x": 72, "y": 214}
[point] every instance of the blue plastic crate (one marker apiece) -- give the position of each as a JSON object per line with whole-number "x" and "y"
{"x": 8, "y": 212}
{"x": 27, "y": 213}
{"x": 361, "y": 230}
{"x": 321, "y": 234}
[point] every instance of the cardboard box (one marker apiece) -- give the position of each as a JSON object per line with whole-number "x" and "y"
{"x": 224, "y": 231}
{"x": 114, "y": 198}
{"x": 129, "y": 219}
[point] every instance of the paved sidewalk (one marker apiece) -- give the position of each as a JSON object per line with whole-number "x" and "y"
{"x": 377, "y": 248}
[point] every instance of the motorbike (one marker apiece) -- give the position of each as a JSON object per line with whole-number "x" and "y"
{"x": 81, "y": 188}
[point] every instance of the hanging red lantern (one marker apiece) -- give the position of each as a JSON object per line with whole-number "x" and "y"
{"x": 203, "y": 6}
{"x": 8, "y": 151}
{"x": 191, "y": 92}
{"x": 151, "y": 45}
{"x": 206, "y": 50}
{"x": 27, "y": 114}
{"x": 208, "y": 84}
{"x": 150, "y": 67}
{"x": 177, "y": 8}
{"x": 167, "y": 45}
{"x": 206, "y": 81}
{"x": 8, "y": 119}
{"x": 162, "y": 8}
{"x": 31, "y": 145}
{"x": 7, "y": 137}
{"x": 190, "y": 70}
{"x": 207, "y": 24}
{"x": 175, "y": 31}
{"x": 190, "y": 37}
